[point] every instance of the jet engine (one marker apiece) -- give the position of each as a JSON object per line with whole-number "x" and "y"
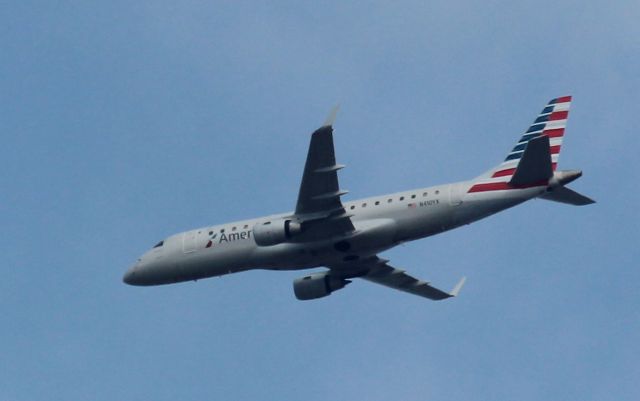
{"x": 275, "y": 232}
{"x": 317, "y": 285}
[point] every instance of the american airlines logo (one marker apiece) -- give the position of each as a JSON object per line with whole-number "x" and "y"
{"x": 231, "y": 237}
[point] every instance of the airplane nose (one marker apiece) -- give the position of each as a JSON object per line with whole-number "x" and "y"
{"x": 130, "y": 276}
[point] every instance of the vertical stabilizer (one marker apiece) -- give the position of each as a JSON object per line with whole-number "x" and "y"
{"x": 535, "y": 165}
{"x": 551, "y": 123}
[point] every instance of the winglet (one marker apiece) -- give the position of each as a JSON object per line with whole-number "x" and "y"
{"x": 331, "y": 118}
{"x": 458, "y": 287}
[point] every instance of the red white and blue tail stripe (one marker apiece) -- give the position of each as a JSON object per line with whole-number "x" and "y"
{"x": 550, "y": 122}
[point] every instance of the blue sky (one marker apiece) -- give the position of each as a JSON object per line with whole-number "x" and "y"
{"x": 124, "y": 123}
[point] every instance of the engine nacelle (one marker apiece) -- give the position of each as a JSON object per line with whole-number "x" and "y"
{"x": 317, "y": 285}
{"x": 275, "y": 232}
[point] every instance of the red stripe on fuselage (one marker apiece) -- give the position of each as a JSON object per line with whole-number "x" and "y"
{"x": 492, "y": 186}
{"x": 503, "y": 186}
{"x": 511, "y": 171}
{"x": 503, "y": 173}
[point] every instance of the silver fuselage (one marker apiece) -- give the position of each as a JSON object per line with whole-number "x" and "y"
{"x": 381, "y": 223}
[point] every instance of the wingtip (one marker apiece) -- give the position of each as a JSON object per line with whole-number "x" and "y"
{"x": 458, "y": 287}
{"x": 331, "y": 118}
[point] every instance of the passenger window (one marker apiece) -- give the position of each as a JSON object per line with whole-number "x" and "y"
{"x": 389, "y": 201}
{"x": 353, "y": 207}
{"x": 424, "y": 194}
{"x": 402, "y": 198}
{"x": 364, "y": 205}
{"x": 437, "y": 192}
{"x": 246, "y": 226}
{"x": 222, "y": 230}
{"x": 233, "y": 229}
{"x": 413, "y": 196}
{"x": 377, "y": 203}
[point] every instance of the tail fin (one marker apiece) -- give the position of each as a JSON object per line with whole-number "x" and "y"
{"x": 550, "y": 123}
{"x": 535, "y": 166}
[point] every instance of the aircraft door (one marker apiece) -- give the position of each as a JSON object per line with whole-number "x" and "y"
{"x": 189, "y": 241}
{"x": 455, "y": 198}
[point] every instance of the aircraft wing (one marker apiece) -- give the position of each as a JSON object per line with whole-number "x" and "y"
{"x": 319, "y": 207}
{"x": 380, "y": 272}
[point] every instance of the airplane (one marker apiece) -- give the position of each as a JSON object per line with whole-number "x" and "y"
{"x": 346, "y": 238}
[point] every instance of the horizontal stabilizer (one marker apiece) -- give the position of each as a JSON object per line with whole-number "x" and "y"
{"x": 568, "y": 196}
{"x": 535, "y": 164}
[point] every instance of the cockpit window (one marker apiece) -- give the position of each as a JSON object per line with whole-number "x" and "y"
{"x": 159, "y": 244}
